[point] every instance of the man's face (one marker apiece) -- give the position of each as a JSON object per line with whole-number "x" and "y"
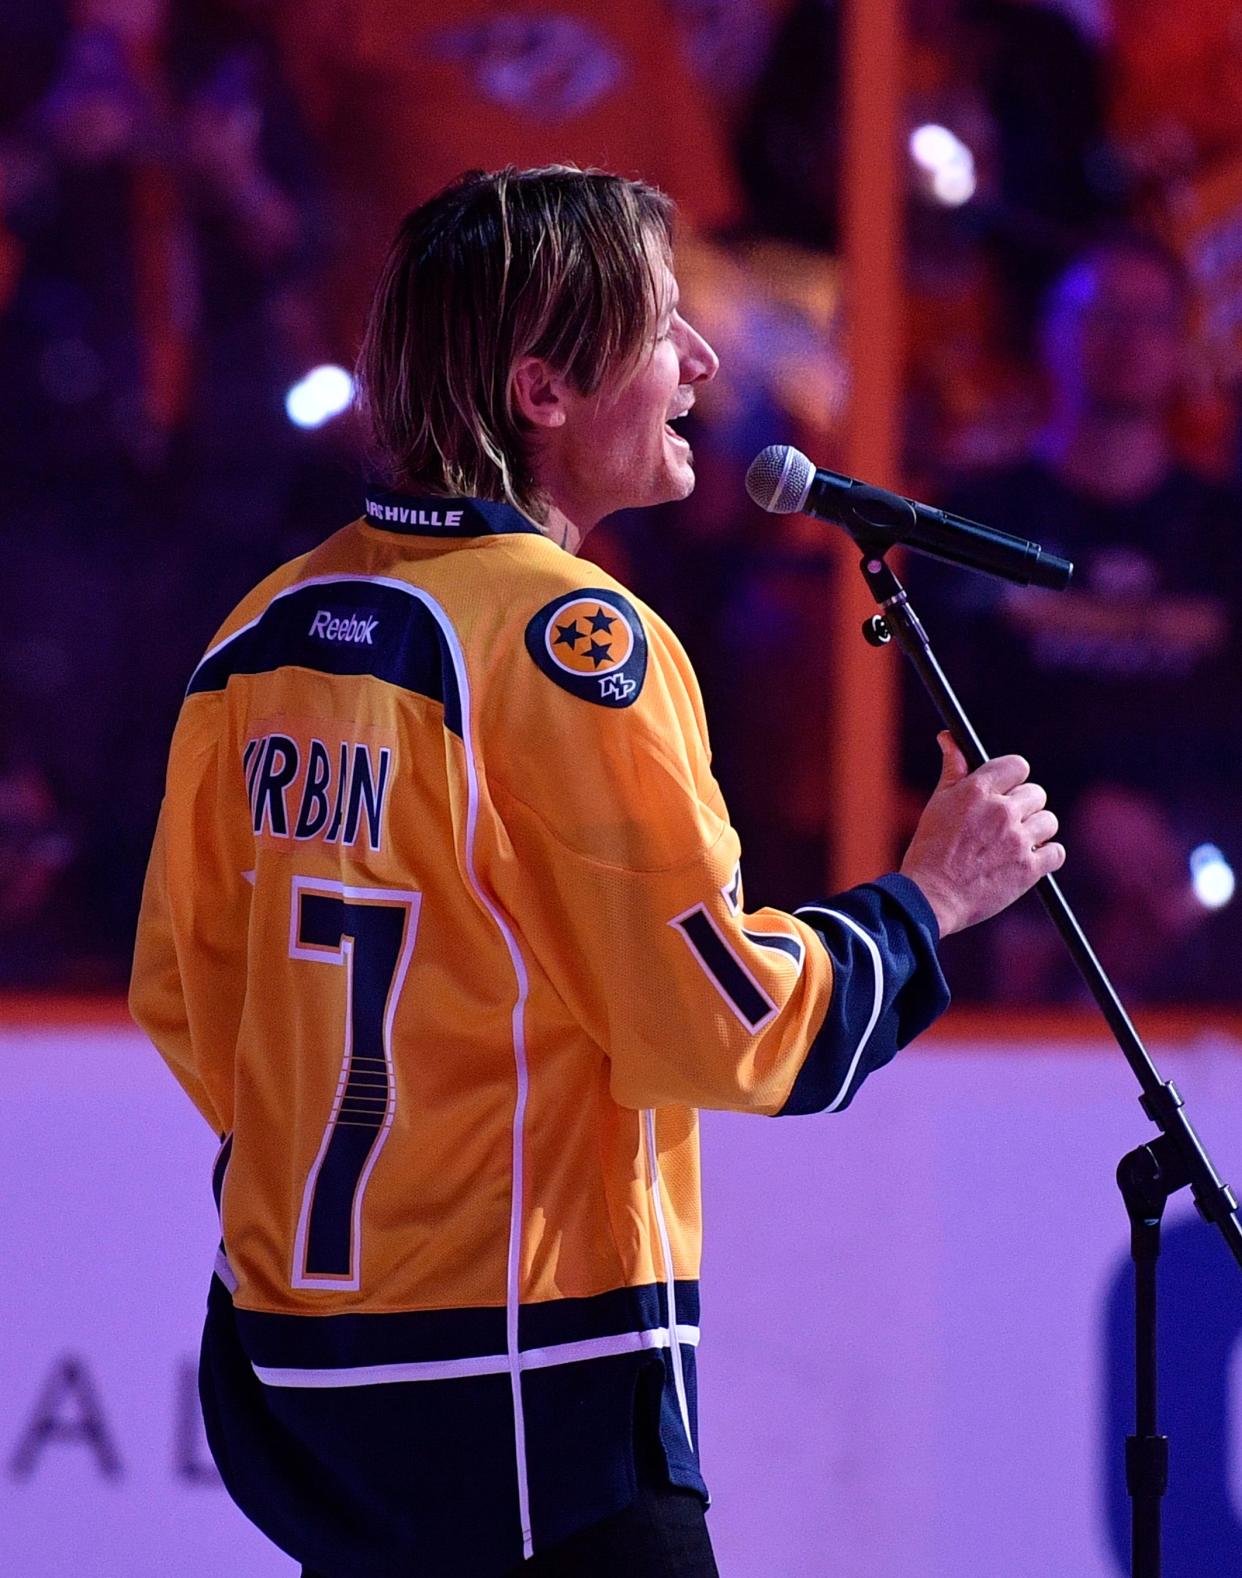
{"x": 617, "y": 449}
{"x": 1114, "y": 340}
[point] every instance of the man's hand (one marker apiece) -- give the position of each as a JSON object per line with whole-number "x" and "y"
{"x": 983, "y": 839}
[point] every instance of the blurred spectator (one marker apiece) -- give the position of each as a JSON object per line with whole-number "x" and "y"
{"x": 79, "y": 445}
{"x": 769, "y": 684}
{"x": 31, "y": 41}
{"x": 162, "y": 196}
{"x": 1042, "y": 82}
{"x": 257, "y": 228}
{"x": 726, "y": 43}
{"x": 38, "y": 940}
{"x": 1124, "y": 690}
{"x": 788, "y": 142}
{"x": 1177, "y": 99}
{"x": 403, "y": 98}
{"x": 70, "y": 339}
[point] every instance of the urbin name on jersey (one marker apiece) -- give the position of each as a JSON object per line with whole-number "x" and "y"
{"x": 311, "y": 791}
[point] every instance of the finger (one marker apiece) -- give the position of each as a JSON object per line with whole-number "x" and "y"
{"x": 1040, "y": 828}
{"x": 1049, "y": 858}
{"x": 1004, "y": 773}
{"x": 953, "y": 765}
{"x": 1027, "y": 799}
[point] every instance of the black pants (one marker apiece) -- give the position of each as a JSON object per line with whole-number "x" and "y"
{"x": 661, "y": 1534}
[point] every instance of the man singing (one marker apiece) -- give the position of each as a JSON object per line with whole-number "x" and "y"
{"x": 444, "y": 935}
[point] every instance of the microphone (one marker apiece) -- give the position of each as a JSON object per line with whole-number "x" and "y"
{"x": 782, "y": 480}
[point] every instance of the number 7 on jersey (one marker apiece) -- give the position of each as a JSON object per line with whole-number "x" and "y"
{"x": 369, "y": 932}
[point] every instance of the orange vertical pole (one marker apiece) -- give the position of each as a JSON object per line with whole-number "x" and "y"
{"x": 864, "y": 715}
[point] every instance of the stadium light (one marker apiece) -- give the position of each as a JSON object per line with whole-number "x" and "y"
{"x": 324, "y": 393}
{"x": 1211, "y": 876}
{"x": 947, "y": 164}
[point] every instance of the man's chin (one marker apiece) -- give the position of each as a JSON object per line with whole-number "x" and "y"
{"x": 682, "y": 478}
{"x": 675, "y": 483}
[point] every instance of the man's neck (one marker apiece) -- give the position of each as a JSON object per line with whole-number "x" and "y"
{"x": 1111, "y": 456}
{"x": 562, "y": 530}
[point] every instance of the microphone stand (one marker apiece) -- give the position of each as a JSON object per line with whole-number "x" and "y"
{"x": 1156, "y": 1169}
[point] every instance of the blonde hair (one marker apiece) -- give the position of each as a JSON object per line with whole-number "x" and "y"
{"x": 554, "y": 262}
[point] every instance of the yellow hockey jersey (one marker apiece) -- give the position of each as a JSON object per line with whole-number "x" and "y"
{"x": 443, "y": 933}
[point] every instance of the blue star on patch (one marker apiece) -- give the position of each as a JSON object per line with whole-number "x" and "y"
{"x": 568, "y": 635}
{"x": 600, "y": 621}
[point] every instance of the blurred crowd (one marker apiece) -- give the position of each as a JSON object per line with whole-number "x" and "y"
{"x": 195, "y": 196}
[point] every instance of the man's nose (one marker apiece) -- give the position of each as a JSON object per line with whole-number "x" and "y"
{"x": 700, "y": 364}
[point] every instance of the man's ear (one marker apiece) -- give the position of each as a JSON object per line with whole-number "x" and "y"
{"x": 539, "y": 393}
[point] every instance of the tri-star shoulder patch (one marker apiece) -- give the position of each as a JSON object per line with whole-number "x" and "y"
{"x": 592, "y": 643}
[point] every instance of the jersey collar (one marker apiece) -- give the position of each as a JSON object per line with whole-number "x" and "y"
{"x": 440, "y": 517}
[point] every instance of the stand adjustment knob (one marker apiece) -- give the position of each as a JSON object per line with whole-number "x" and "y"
{"x": 876, "y": 632}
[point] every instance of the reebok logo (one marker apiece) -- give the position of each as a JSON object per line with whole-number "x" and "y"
{"x": 330, "y": 627}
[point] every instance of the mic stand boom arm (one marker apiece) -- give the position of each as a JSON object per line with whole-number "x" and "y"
{"x": 1149, "y": 1174}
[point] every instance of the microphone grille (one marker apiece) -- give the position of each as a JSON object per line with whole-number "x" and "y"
{"x": 779, "y": 479}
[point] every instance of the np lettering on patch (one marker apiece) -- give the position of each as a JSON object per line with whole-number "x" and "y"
{"x": 593, "y": 645}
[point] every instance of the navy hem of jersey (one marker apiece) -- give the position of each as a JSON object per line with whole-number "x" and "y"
{"x": 417, "y": 515}
{"x": 386, "y": 1480}
{"x": 323, "y": 1342}
{"x": 854, "y": 1039}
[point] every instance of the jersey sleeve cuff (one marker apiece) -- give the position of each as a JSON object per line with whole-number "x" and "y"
{"x": 907, "y": 893}
{"x": 887, "y": 987}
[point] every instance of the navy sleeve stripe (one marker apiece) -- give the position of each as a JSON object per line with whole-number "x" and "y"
{"x": 724, "y": 969}
{"x": 779, "y": 940}
{"x": 370, "y": 625}
{"x": 877, "y": 1000}
{"x": 887, "y": 987}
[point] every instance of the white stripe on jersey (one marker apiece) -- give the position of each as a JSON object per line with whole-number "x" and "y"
{"x": 485, "y": 1364}
{"x": 679, "y": 1379}
{"x": 877, "y": 1000}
